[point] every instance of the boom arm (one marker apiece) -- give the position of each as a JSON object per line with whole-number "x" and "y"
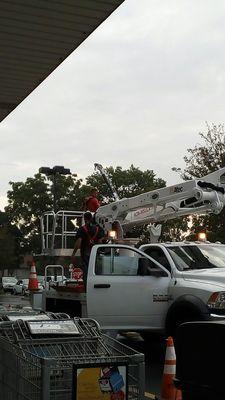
{"x": 197, "y": 196}
{"x": 107, "y": 180}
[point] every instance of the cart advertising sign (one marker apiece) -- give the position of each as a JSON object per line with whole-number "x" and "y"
{"x": 100, "y": 382}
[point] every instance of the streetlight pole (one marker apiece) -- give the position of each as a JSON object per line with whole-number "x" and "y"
{"x": 54, "y": 192}
{"x": 57, "y": 169}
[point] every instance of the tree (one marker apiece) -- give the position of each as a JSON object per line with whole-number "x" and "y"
{"x": 201, "y": 160}
{"x": 10, "y": 243}
{"x": 175, "y": 230}
{"x": 129, "y": 182}
{"x": 27, "y": 201}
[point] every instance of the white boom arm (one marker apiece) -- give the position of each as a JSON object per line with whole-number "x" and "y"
{"x": 107, "y": 180}
{"x": 198, "y": 196}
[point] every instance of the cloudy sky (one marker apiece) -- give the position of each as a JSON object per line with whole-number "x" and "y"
{"x": 138, "y": 90}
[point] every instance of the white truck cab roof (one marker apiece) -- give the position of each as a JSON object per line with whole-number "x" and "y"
{"x": 189, "y": 243}
{"x": 187, "y": 255}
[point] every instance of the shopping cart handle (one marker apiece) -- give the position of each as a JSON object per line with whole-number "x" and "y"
{"x": 102, "y": 286}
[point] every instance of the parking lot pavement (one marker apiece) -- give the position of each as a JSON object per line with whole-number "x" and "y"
{"x": 154, "y": 352}
{"x": 8, "y": 300}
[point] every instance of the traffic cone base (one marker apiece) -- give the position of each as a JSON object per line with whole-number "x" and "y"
{"x": 169, "y": 391}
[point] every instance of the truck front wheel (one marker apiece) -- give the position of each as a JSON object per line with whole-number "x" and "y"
{"x": 185, "y": 310}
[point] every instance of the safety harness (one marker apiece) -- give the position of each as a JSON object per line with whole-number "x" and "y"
{"x": 91, "y": 238}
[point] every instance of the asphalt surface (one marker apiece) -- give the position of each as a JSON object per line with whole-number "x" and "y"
{"x": 8, "y": 300}
{"x": 154, "y": 349}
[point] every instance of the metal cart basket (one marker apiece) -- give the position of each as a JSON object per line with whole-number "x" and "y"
{"x": 25, "y": 315}
{"x": 39, "y": 366}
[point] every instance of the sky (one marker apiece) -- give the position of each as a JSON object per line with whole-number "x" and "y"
{"x": 137, "y": 91}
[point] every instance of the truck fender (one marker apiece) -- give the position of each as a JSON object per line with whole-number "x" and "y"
{"x": 184, "y": 309}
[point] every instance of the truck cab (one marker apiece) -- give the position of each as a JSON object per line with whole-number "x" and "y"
{"x": 156, "y": 287}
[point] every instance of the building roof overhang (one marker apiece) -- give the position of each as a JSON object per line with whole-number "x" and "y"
{"x": 37, "y": 36}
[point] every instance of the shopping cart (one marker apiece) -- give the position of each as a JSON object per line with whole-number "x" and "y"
{"x": 25, "y": 315}
{"x": 38, "y": 359}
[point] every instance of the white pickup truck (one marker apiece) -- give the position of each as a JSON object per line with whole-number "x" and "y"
{"x": 153, "y": 288}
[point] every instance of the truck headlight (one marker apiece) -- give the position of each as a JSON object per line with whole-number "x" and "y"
{"x": 217, "y": 300}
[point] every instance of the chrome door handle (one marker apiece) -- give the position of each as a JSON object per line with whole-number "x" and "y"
{"x": 102, "y": 286}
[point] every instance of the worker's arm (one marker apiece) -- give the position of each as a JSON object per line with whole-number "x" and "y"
{"x": 76, "y": 246}
{"x": 102, "y": 238}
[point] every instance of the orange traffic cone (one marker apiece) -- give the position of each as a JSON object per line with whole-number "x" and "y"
{"x": 33, "y": 282}
{"x": 169, "y": 391}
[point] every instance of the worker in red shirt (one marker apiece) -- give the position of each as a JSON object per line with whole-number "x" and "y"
{"x": 92, "y": 203}
{"x": 86, "y": 236}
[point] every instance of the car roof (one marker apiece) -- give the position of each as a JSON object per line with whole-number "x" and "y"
{"x": 9, "y": 277}
{"x": 187, "y": 243}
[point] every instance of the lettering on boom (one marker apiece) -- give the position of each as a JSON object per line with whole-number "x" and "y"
{"x": 176, "y": 189}
{"x": 141, "y": 211}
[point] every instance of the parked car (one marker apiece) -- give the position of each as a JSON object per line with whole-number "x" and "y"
{"x": 8, "y": 283}
{"x": 21, "y": 286}
{"x": 41, "y": 280}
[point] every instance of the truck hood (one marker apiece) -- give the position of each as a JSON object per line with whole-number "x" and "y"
{"x": 211, "y": 276}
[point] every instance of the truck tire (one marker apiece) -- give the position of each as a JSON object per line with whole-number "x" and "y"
{"x": 186, "y": 308}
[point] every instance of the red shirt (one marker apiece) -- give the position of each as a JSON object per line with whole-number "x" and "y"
{"x": 92, "y": 204}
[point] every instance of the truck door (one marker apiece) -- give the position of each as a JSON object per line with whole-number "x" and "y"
{"x": 126, "y": 288}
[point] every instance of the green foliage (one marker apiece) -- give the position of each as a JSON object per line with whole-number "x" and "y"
{"x": 69, "y": 192}
{"x": 201, "y": 160}
{"x": 175, "y": 230}
{"x": 10, "y": 243}
{"x": 27, "y": 201}
{"x": 129, "y": 182}
{"x": 208, "y": 156}
{"x": 7, "y": 249}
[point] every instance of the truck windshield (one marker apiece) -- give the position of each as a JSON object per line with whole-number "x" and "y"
{"x": 198, "y": 256}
